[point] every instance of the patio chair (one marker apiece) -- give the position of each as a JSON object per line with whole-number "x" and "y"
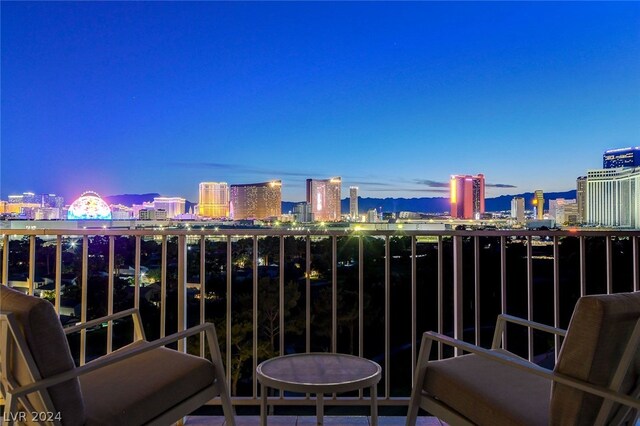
{"x": 596, "y": 379}
{"x": 142, "y": 383}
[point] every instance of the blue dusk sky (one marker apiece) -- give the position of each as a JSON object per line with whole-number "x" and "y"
{"x": 136, "y": 97}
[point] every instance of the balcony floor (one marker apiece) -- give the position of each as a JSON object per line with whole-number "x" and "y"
{"x": 310, "y": 421}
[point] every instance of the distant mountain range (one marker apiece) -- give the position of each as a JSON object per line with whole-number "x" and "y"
{"x": 422, "y": 205}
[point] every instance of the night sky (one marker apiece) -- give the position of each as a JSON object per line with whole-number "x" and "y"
{"x": 121, "y": 97}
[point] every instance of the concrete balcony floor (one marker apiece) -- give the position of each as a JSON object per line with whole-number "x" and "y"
{"x": 310, "y": 421}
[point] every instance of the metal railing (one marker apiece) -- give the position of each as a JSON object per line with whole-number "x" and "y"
{"x": 455, "y": 273}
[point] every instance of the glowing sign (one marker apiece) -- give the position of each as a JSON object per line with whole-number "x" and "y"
{"x": 89, "y": 206}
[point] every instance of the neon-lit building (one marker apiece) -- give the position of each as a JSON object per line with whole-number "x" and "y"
{"x": 89, "y": 206}
{"x": 213, "y": 199}
{"x": 467, "y": 196}
{"x": 256, "y": 200}
{"x": 323, "y": 195}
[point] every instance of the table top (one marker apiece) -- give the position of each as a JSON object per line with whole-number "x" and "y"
{"x": 319, "y": 372}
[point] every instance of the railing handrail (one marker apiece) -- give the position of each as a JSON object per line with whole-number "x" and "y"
{"x": 276, "y": 232}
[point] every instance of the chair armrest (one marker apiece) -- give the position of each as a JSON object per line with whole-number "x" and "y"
{"x": 103, "y": 362}
{"x": 98, "y": 321}
{"x": 533, "y": 369}
{"x": 503, "y": 319}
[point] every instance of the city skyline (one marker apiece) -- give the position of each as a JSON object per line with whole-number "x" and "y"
{"x": 395, "y": 98}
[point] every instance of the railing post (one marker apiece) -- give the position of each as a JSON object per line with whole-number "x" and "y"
{"x": 476, "y": 277}
{"x": 414, "y": 315}
{"x": 609, "y": 250}
{"x": 5, "y": 259}
{"x": 360, "y": 301}
{"x": 583, "y": 267}
{"x": 334, "y": 294}
{"x": 163, "y": 285}
{"x": 360, "y": 296}
{"x": 203, "y": 293}
{"x": 556, "y": 293}
{"x": 636, "y": 268}
{"x": 255, "y": 314}
{"x": 457, "y": 290}
{"x": 83, "y": 302}
{"x": 503, "y": 283}
{"x": 530, "y": 295}
{"x": 308, "y": 294}
{"x": 136, "y": 272}
{"x": 228, "y": 311}
{"x": 387, "y": 314}
{"x": 440, "y": 292}
{"x": 182, "y": 289}
{"x": 281, "y": 270}
{"x": 32, "y": 263}
{"x": 110, "y": 292}
{"x": 58, "y": 282}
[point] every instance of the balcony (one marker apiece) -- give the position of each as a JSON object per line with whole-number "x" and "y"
{"x": 273, "y": 292}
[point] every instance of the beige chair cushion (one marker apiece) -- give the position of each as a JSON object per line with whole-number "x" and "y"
{"x": 598, "y": 332}
{"x": 49, "y": 348}
{"x": 487, "y": 392}
{"x": 138, "y": 389}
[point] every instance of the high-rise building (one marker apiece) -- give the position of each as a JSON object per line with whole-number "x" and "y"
{"x": 613, "y": 197}
{"x": 44, "y": 200}
{"x": 556, "y": 204}
{"x": 567, "y": 214}
{"x": 137, "y": 208}
{"x": 302, "y": 213}
{"x": 621, "y": 157}
{"x": 467, "y": 196}
{"x": 324, "y": 197}
{"x": 174, "y": 206}
{"x": 517, "y": 209}
{"x": 538, "y": 204}
{"x": 213, "y": 199}
{"x": 256, "y": 200}
{"x": 581, "y": 198}
{"x": 372, "y": 216}
{"x": 353, "y": 202}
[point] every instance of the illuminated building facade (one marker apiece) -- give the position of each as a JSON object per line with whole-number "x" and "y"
{"x": 567, "y": 214}
{"x": 581, "y": 198}
{"x": 517, "y": 209}
{"x": 174, "y": 206}
{"x": 31, "y": 206}
{"x": 89, "y": 206}
{"x": 213, "y": 199}
{"x": 557, "y": 204}
{"x": 302, "y": 213}
{"x": 256, "y": 200}
{"x": 467, "y": 196}
{"x": 324, "y": 197}
{"x": 613, "y": 197}
{"x": 538, "y": 203}
{"x": 353, "y": 202}
{"x": 153, "y": 214}
{"x": 622, "y": 157}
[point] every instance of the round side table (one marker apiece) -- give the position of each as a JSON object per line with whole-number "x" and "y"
{"x": 318, "y": 373}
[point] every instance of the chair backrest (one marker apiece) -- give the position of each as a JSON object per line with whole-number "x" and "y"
{"x": 40, "y": 329}
{"x": 596, "y": 339}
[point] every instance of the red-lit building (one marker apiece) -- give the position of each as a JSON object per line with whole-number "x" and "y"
{"x": 467, "y": 196}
